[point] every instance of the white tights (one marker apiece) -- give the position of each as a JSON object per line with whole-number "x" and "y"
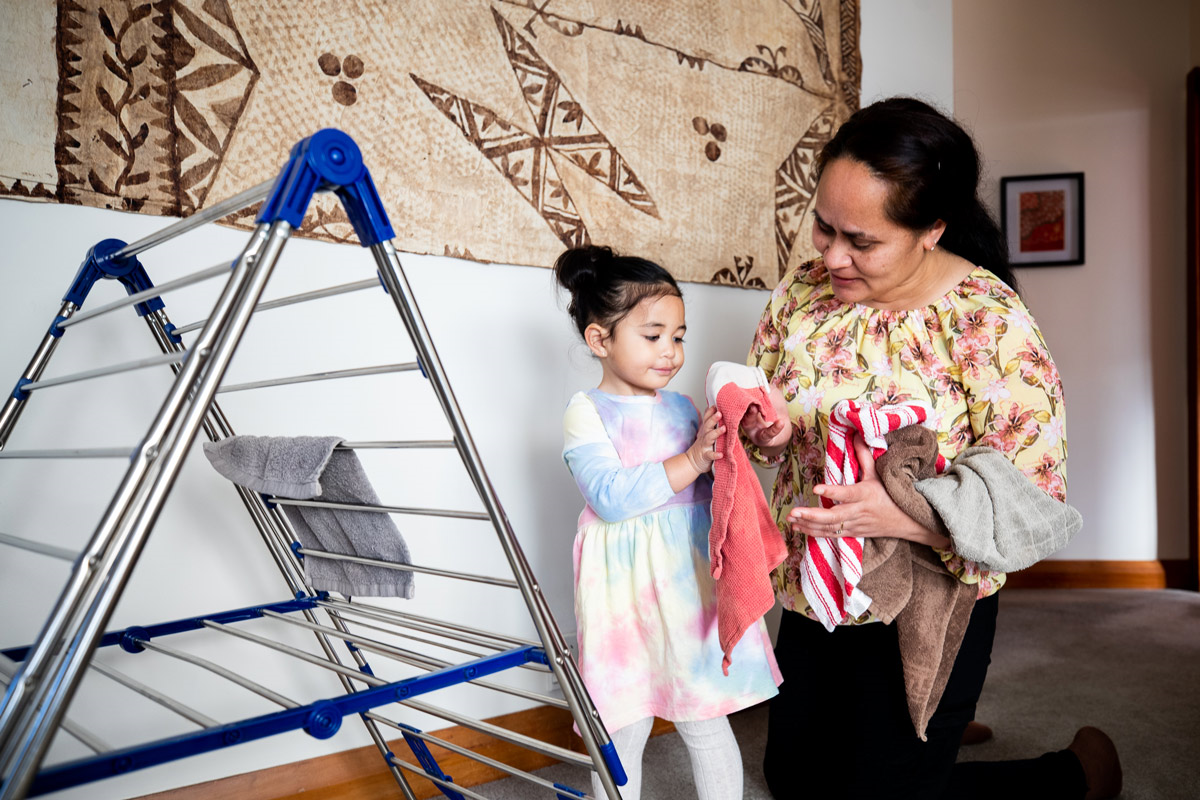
{"x": 712, "y": 748}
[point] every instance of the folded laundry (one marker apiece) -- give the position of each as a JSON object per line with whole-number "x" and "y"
{"x": 833, "y": 566}
{"x": 907, "y": 583}
{"x": 992, "y": 513}
{"x": 303, "y": 467}
{"x": 995, "y": 514}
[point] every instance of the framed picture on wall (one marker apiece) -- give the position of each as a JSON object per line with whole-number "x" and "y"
{"x": 1042, "y": 218}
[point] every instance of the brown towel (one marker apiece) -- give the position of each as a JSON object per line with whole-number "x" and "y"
{"x": 910, "y": 457}
{"x": 909, "y": 585}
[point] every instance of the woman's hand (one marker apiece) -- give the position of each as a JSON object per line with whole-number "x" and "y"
{"x": 861, "y": 509}
{"x": 771, "y": 438}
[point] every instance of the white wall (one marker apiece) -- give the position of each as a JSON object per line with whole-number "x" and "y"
{"x": 511, "y": 355}
{"x": 907, "y": 48}
{"x": 1095, "y": 88}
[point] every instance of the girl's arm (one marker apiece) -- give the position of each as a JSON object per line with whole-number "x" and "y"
{"x": 616, "y": 492}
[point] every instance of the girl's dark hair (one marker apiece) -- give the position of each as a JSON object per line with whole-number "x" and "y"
{"x": 933, "y": 169}
{"x": 605, "y": 287}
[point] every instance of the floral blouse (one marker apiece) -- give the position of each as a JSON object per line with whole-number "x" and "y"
{"x": 976, "y": 355}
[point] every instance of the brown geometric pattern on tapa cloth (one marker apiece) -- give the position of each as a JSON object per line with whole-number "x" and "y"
{"x": 495, "y": 130}
{"x": 133, "y": 79}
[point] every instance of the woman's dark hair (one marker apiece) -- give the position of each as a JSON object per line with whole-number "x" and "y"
{"x": 933, "y": 169}
{"x": 605, "y": 287}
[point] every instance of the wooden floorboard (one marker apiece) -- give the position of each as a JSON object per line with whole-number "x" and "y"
{"x": 361, "y": 774}
{"x": 1064, "y": 574}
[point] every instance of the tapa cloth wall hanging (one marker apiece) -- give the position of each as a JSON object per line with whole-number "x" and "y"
{"x": 497, "y": 131}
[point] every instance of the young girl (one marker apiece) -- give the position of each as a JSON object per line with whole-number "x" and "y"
{"x": 644, "y": 600}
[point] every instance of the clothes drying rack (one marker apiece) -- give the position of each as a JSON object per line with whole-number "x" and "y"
{"x": 42, "y": 677}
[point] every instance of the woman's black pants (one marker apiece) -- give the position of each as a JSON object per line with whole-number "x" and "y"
{"x": 840, "y": 728}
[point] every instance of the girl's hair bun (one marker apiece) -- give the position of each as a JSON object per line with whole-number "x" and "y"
{"x": 579, "y": 267}
{"x": 605, "y": 287}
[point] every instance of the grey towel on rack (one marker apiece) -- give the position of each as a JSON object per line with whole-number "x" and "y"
{"x": 304, "y": 467}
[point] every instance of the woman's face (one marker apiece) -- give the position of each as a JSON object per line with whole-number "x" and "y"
{"x": 871, "y": 259}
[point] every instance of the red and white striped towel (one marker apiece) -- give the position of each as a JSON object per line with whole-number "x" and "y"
{"x": 832, "y": 567}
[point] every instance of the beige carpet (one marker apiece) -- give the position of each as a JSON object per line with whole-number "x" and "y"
{"x": 1125, "y": 661}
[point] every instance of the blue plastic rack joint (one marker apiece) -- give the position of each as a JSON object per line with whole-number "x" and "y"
{"x": 426, "y": 759}
{"x": 18, "y": 391}
{"x": 169, "y": 330}
{"x": 609, "y": 751}
{"x": 329, "y": 160}
{"x": 101, "y": 262}
{"x": 570, "y": 793}
{"x": 132, "y": 638}
{"x": 324, "y": 720}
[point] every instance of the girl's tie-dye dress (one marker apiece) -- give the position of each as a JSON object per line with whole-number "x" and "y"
{"x": 644, "y": 599}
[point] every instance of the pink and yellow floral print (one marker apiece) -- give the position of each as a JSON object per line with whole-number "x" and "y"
{"x": 976, "y": 355}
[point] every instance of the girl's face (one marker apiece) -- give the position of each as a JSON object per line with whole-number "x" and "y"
{"x": 871, "y": 259}
{"x": 644, "y": 350}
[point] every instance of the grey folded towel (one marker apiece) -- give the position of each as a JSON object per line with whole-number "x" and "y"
{"x": 996, "y": 516}
{"x": 303, "y": 467}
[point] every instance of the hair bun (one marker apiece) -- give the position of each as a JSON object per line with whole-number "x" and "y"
{"x": 599, "y": 255}
{"x": 579, "y": 266}
{"x": 605, "y": 286}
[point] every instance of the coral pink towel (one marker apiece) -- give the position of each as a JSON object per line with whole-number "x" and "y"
{"x": 832, "y": 567}
{"x": 744, "y": 544}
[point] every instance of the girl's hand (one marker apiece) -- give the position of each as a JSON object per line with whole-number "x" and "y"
{"x": 703, "y": 451}
{"x": 862, "y": 509}
{"x": 683, "y": 469}
{"x": 772, "y": 438}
